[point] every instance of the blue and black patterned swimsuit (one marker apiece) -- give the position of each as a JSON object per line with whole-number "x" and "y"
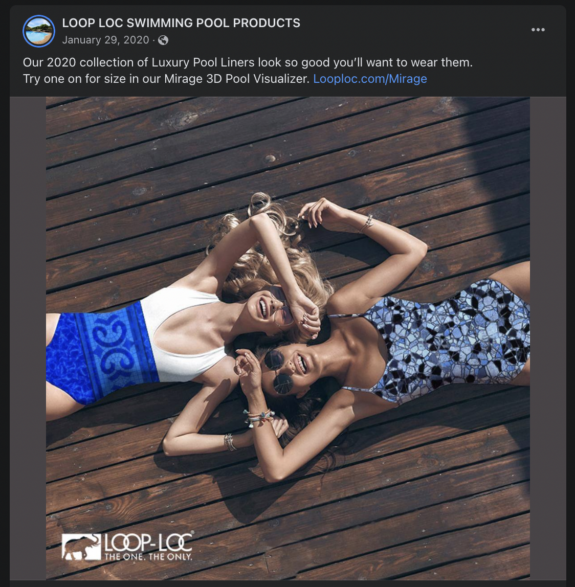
{"x": 480, "y": 335}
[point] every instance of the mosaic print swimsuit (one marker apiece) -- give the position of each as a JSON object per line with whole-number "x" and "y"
{"x": 480, "y": 335}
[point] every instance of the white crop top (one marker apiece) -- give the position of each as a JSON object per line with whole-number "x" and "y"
{"x": 157, "y": 308}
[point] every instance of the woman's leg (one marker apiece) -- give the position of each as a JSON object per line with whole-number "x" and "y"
{"x": 518, "y": 279}
{"x": 58, "y": 403}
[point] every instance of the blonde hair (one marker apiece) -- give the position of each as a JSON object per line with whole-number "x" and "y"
{"x": 252, "y": 272}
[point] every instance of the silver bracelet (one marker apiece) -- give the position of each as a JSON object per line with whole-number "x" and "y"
{"x": 229, "y": 440}
{"x": 368, "y": 223}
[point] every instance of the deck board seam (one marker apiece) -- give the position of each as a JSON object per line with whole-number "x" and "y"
{"x": 243, "y": 209}
{"x": 367, "y": 553}
{"x": 287, "y": 481}
{"x": 455, "y": 402}
{"x": 280, "y": 166}
{"x": 122, "y": 117}
{"x": 318, "y": 250}
{"x": 160, "y": 137}
{"x": 458, "y": 560}
{"x": 517, "y": 452}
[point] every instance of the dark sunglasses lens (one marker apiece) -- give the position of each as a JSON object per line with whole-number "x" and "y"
{"x": 284, "y": 317}
{"x": 278, "y": 293}
{"x": 283, "y": 384}
{"x": 274, "y": 360}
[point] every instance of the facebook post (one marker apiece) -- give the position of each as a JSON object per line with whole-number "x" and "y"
{"x": 286, "y": 254}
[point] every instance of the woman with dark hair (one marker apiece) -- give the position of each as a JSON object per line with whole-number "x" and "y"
{"x": 384, "y": 351}
{"x": 180, "y": 332}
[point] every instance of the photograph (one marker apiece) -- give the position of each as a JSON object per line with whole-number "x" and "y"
{"x": 287, "y": 337}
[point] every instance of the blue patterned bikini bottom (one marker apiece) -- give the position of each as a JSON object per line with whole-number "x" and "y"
{"x": 480, "y": 335}
{"x": 92, "y": 355}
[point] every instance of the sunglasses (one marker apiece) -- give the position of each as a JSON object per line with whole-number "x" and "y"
{"x": 274, "y": 360}
{"x": 282, "y": 316}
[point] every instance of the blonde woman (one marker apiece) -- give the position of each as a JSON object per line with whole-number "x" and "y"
{"x": 180, "y": 333}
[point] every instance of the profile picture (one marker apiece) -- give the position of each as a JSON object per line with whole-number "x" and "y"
{"x": 38, "y": 31}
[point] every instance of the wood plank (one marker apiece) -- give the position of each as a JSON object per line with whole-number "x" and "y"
{"x": 222, "y": 136}
{"x": 303, "y": 525}
{"x": 458, "y": 258}
{"x": 187, "y": 239}
{"x": 441, "y": 290}
{"x": 309, "y": 173}
{"x": 452, "y": 472}
{"x": 405, "y": 558}
{"x": 114, "y": 416}
{"x": 135, "y": 508}
{"x": 462, "y": 258}
{"x": 140, "y": 476}
{"x": 57, "y": 100}
{"x": 415, "y": 527}
{"x": 500, "y": 566}
{"x": 138, "y": 441}
{"x": 150, "y": 126}
{"x": 127, "y": 392}
{"x": 360, "y": 191}
{"x": 276, "y": 500}
{"x": 122, "y": 412}
{"x": 437, "y": 233}
{"x": 97, "y": 110}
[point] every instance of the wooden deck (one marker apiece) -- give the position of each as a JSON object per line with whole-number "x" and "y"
{"x": 438, "y": 489}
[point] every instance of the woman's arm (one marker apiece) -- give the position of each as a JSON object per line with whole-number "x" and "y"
{"x": 183, "y": 437}
{"x": 407, "y": 252}
{"x": 212, "y": 272}
{"x": 277, "y": 463}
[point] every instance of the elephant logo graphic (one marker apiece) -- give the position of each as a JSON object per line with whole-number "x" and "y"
{"x": 82, "y": 547}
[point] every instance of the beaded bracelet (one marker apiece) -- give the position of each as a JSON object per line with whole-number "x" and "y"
{"x": 263, "y": 417}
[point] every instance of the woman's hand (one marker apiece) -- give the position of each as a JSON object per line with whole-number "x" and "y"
{"x": 306, "y": 315}
{"x": 280, "y": 425}
{"x": 245, "y": 439}
{"x": 249, "y": 371}
{"x": 329, "y": 215}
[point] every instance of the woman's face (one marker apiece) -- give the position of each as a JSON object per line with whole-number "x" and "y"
{"x": 290, "y": 370}
{"x": 269, "y": 311}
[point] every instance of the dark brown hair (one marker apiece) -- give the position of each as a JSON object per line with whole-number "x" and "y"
{"x": 300, "y": 412}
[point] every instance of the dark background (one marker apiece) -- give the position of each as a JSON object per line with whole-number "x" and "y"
{"x": 510, "y": 59}
{"x": 507, "y": 57}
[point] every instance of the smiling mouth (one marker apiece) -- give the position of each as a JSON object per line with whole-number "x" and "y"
{"x": 301, "y": 364}
{"x": 263, "y": 309}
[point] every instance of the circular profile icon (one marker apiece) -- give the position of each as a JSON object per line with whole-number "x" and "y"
{"x": 39, "y": 31}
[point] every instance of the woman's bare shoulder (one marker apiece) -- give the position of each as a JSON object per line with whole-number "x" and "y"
{"x": 222, "y": 371}
{"x": 362, "y": 403}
